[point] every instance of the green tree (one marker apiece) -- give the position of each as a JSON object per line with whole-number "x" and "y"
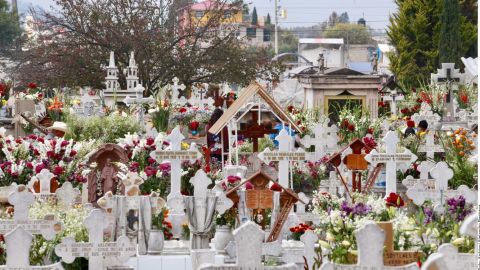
{"x": 414, "y": 31}
{"x": 254, "y": 16}
{"x": 351, "y": 33}
{"x": 9, "y": 26}
{"x": 344, "y": 18}
{"x": 450, "y": 38}
{"x": 333, "y": 19}
{"x": 268, "y": 20}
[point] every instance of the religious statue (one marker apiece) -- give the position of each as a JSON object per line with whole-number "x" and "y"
{"x": 321, "y": 62}
{"x": 108, "y": 178}
{"x": 374, "y": 61}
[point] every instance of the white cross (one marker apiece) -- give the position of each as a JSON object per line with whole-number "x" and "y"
{"x": 424, "y": 168}
{"x": 43, "y": 178}
{"x": 426, "y": 114}
{"x": 318, "y": 140}
{"x": 430, "y": 147}
{"x": 284, "y": 155}
{"x": 175, "y": 155}
{"x": 442, "y": 174}
{"x": 18, "y": 243}
{"x": 100, "y": 254}
{"x": 175, "y": 88}
{"x": 300, "y": 206}
{"x": 391, "y": 158}
{"x": 393, "y": 97}
{"x": 309, "y": 239}
{"x": 139, "y": 100}
{"x": 67, "y": 194}
{"x": 370, "y": 241}
{"x": 21, "y": 199}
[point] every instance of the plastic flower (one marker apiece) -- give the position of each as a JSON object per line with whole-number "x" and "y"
{"x": 394, "y": 200}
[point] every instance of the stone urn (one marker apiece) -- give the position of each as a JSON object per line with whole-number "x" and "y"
{"x": 223, "y": 235}
{"x": 155, "y": 242}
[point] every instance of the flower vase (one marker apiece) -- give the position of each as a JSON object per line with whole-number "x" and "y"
{"x": 155, "y": 242}
{"x": 223, "y": 235}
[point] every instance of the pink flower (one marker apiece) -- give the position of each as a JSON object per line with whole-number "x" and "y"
{"x": 151, "y": 160}
{"x": 73, "y": 153}
{"x": 29, "y": 165}
{"x": 64, "y": 143}
{"x": 276, "y": 187}
{"x": 150, "y": 141}
{"x": 40, "y": 167}
{"x": 232, "y": 179}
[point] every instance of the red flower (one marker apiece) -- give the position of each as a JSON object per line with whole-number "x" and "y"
{"x": 29, "y": 165}
{"x": 290, "y": 108}
{"x": 345, "y": 123}
{"x": 232, "y": 179}
{"x": 370, "y": 131}
{"x": 351, "y": 127}
{"x": 276, "y": 187}
{"x": 3, "y": 88}
{"x": 394, "y": 200}
{"x": 248, "y": 186}
{"x": 32, "y": 85}
{"x": 73, "y": 153}
{"x": 150, "y": 141}
{"x": 182, "y": 110}
{"x": 381, "y": 104}
{"x": 58, "y": 170}
{"x": 194, "y": 125}
{"x": 64, "y": 143}
{"x": 464, "y": 98}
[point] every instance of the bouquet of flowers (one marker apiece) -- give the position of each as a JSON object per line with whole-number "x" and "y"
{"x": 299, "y": 230}
{"x": 159, "y": 221}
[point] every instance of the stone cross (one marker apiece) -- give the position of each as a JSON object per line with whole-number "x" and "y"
{"x": 385, "y": 126}
{"x": 332, "y": 139}
{"x": 18, "y": 243}
{"x": 22, "y": 199}
{"x": 391, "y": 158}
{"x": 175, "y": 88}
{"x": 309, "y": 238}
{"x": 67, "y": 194}
{"x": 447, "y": 256}
{"x": 424, "y": 168}
{"x": 448, "y": 77}
{"x": 100, "y": 254}
{"x": 393, "y": 97}
{"x": 300, "y": 206}
{"x": 442, "y": 174}
{"x": 284, "y": 155}
{"x": 43, "y": 178}
{"x": 88, "y": 107}
{"x": 318, "y": 140}
{"x": 430, "y": 147}
{"x": 139, "y": 100}
{"x": 333, "y": 183}
{"x": 370, "y": 241}
{"x": 249, "y": 245}
{"x": 176, "y": 155}
{"x": 426, "y": 114}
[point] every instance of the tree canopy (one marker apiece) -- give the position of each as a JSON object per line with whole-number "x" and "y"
{"x": 167, "y": 43}
{"x": 9, "y": 26}
{"x": 351, "y": 33}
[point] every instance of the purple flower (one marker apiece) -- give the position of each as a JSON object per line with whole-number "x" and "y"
{"x": 428, "y": 215}
{"x": 346, "y": 208}
{"x": 361, "y": 209}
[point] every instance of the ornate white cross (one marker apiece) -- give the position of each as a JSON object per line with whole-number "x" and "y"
{"x": 391, "y": 158}
{"x": 318, "y": 140}
{"x": 430, "y": 147}
{"x": 139, "y": 100}
{"x": 424, "y": 168}
{"x": 100, "y": 254}
{"x": 175, "y": 88}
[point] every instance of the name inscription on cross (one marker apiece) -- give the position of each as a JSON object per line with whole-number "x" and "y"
{"x": 391, "y": 158}
{"x": 100, "y": 254}
{"x": 442, "y": 174}
{"x": 22, "y": 199}
{"x": 284, "y": 155}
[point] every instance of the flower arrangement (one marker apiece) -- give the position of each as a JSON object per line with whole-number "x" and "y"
{"x": 227, "y": 219}
{"x": 354, "y": 123}
{"x": 466, "y": 97}
{"x": 194, "y": 127}
{"x": 159, "y": 222}
{"x": 459, "y": 148}
{"x": 305, "y": 119}
{"x": 4, "y": 92}
{"x": 299, "y": 230}
{"x": 230, "y": 95}
{"x": 55, "y": 109}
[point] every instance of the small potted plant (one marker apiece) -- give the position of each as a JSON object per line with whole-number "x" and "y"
{"x": 160, "y": 228}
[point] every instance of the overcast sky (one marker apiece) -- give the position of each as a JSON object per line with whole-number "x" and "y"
{"x": 306, "y": 12}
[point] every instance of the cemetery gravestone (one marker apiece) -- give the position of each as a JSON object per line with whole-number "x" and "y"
{"x": 391, "y": 158}
{"x": 430, "y": 147}
{"x": 309, "y": 238}
{"x": 140, "y": 101}
{"x": 100, "y": 254}
{"x": 318, "y": 140}
{"x": 175, "y": 88}
{"x": 426, "y": 114}
{"x": 370, "y": 241}
{"x": 424, "y": 168}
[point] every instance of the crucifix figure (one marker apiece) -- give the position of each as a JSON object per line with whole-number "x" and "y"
{"x": 449, "y": 77}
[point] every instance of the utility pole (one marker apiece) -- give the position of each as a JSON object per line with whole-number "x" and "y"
{"x": 276, "y": 27}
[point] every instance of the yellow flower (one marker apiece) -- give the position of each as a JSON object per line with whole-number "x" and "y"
{"x": 185, "y": 146}
{"x": 458, "y": 242}
{"x": 4, "y": 102}
{"x": 324, "y": 244}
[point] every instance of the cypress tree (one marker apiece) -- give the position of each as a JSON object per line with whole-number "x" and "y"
{"x": 268, "y": 20}
{"x": 450, "y": 43}
{"x": 254, "y": 16}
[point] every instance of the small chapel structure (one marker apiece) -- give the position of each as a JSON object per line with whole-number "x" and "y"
{"x": 334, "y": 88}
